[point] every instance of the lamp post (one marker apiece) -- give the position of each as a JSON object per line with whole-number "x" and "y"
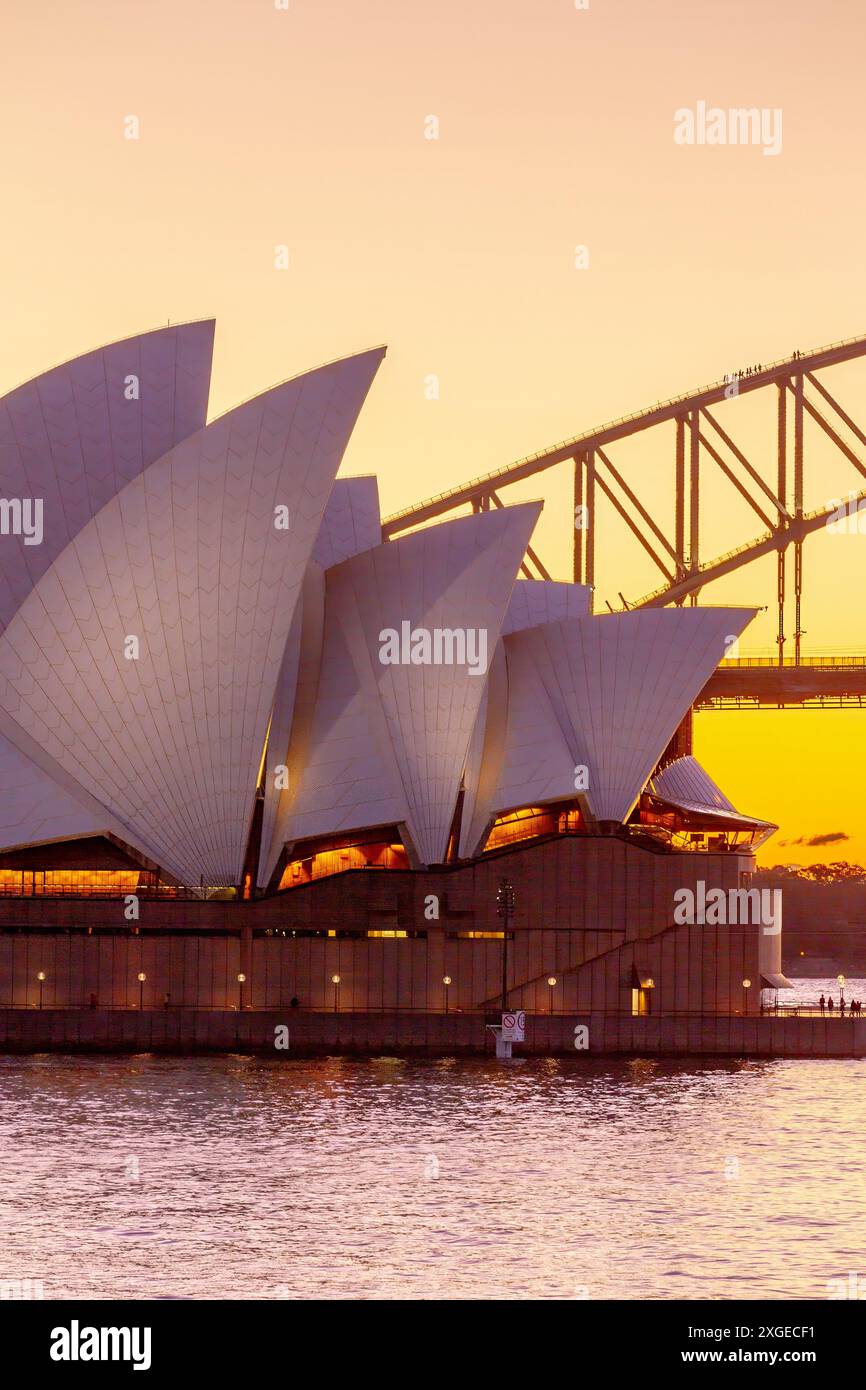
{"x": 141, "y": 979}
{"x": 505, "y": 909}
{"x": 551, "y": 981}
{"x": 446, "y": 980}
{"x": 840, "y": 980}
{"x": 747, "y": 985}
{"x": 241, "y": 982}
{"x": 41, "y": 978}
{"x": 335, "y": 981}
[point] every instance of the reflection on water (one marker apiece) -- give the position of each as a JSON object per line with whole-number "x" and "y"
{"x": 237, "y": 1177}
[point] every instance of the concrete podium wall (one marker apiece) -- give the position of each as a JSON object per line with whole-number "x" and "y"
{"x": 699, "y": 969}
{"x": 595, "y": 912}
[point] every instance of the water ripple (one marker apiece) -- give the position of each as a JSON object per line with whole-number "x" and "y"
{"x": 238, "y": 1177}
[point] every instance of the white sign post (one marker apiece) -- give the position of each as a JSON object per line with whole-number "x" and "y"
{"x": 514, "y": 1027}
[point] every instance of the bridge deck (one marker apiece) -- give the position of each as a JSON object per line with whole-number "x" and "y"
{"x": 762, "y": 683}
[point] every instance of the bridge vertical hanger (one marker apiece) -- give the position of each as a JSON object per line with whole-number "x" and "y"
{"x": 798, "y": 510}
{"x": 782, "y": 494}
{"x": 694, "y": 498}
{"x": 590, "y": 527}
{"x": 578, "y": 531}
{"x": 680, "y": 537}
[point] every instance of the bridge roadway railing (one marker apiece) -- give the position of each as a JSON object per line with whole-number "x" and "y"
{"x": 765, "y": 682}
{"x": 831, "y": 663}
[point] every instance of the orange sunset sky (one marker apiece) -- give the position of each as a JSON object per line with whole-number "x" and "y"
{"x": 305, "y": 127}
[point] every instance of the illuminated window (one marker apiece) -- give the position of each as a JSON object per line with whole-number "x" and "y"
{"x": 80, "y": 882}
{"x": 640, "y": 1001}
{"x": 478, "y": 935}
{"x": 338, "y": 858}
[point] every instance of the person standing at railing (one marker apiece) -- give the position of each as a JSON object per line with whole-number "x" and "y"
{"x": 821, "y": 1003}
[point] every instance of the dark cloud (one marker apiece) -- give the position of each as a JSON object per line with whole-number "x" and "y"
{"x": 831, "y": 837}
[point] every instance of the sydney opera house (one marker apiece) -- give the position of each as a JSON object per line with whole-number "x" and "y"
{"x": 245, "y": 741}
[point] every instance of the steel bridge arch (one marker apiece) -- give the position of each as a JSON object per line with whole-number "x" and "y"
{"x": 800, "y": 394}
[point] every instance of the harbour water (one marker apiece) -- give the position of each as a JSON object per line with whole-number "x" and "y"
{"x": 806, "y": 993}
{"x": 235, "y": 1177}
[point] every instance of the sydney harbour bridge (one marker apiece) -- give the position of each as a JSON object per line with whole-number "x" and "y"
{"x": 698, "y": 441}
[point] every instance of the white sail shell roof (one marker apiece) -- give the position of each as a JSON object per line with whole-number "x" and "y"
{"x": 351, "y": 523}
{"x": 341, "y": 777}
{"x": 34, "y": 807}
{"x": 186, "y": 558}
{"x": 458, "y": 578}
{"x": 605, "y": 693}
{"x": 686, "y": 783}
{"x": 688, "y": 786}
{"x": 261, "y": 648}
{"x": 74, "y": 436}
{"x": 388, "y": 741}
{"x": 535, "y": 601}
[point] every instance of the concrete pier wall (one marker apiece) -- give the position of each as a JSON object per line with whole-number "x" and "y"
{"x": 422, "y": 1034}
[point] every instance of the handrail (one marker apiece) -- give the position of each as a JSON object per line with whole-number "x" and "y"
{"x": 791, "y": 663}
{"x": 761, "y": 378}
{"x": 765, "y": 538}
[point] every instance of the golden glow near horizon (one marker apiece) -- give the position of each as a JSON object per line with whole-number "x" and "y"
{"x": 308, "y": 129}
